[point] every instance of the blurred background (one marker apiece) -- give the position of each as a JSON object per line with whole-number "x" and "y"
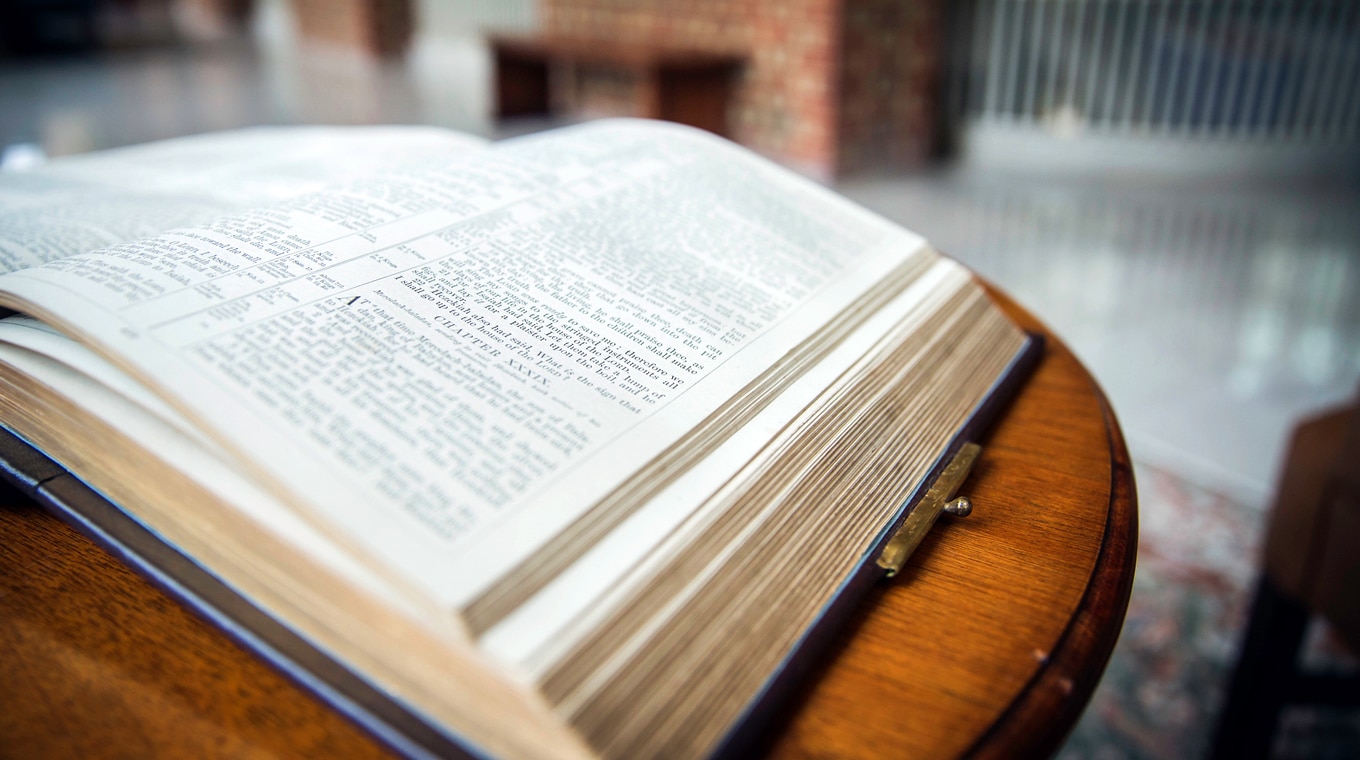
{"x": 1172, "y": 185}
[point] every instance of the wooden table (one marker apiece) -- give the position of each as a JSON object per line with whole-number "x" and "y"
{"x": 990, "y": 643}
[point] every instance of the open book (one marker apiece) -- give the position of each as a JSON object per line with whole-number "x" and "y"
{"x": 569, "y": 446}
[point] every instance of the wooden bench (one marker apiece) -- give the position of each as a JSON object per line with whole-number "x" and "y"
{"x": 544, "y": 75}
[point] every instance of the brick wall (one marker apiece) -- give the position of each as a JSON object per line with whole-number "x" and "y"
{"x": 833, "y": 86}
{"x": 889, "y": 85}
{"x": 783, "y": 105}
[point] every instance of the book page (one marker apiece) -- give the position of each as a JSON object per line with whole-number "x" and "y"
{"x": 157, "y": 430}
{"x": 448, "y": 365}
{"x": 82, "y": 203}
{"x": 36, "y": 337}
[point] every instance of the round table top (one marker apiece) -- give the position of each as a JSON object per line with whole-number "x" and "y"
{"x": 989, "y": 643}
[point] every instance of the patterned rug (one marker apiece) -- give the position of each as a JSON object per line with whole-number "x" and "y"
{"x": 1162, "y": 692}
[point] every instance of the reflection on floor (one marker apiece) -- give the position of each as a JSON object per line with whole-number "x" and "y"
{"x": 1213, "y": 315}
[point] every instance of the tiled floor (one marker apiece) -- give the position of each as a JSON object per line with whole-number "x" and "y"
{"x": 124, "y": 97}
{"x": 1214, "y": 313}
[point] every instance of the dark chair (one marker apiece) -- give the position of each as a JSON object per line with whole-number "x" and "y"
{"x": 1312, "y": 567}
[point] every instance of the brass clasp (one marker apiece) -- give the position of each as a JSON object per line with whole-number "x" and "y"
{"x": 939, "y": 499}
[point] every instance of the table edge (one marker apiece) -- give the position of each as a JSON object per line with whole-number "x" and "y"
{"x": 1042, "y": 716}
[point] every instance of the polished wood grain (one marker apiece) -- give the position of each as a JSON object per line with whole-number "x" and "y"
{"x": 989, "y": 643}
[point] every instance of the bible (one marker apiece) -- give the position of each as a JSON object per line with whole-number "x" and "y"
{"x": 573, "y": 445}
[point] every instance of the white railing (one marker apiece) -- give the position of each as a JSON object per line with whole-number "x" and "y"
{"x": 1256, "y": 69}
